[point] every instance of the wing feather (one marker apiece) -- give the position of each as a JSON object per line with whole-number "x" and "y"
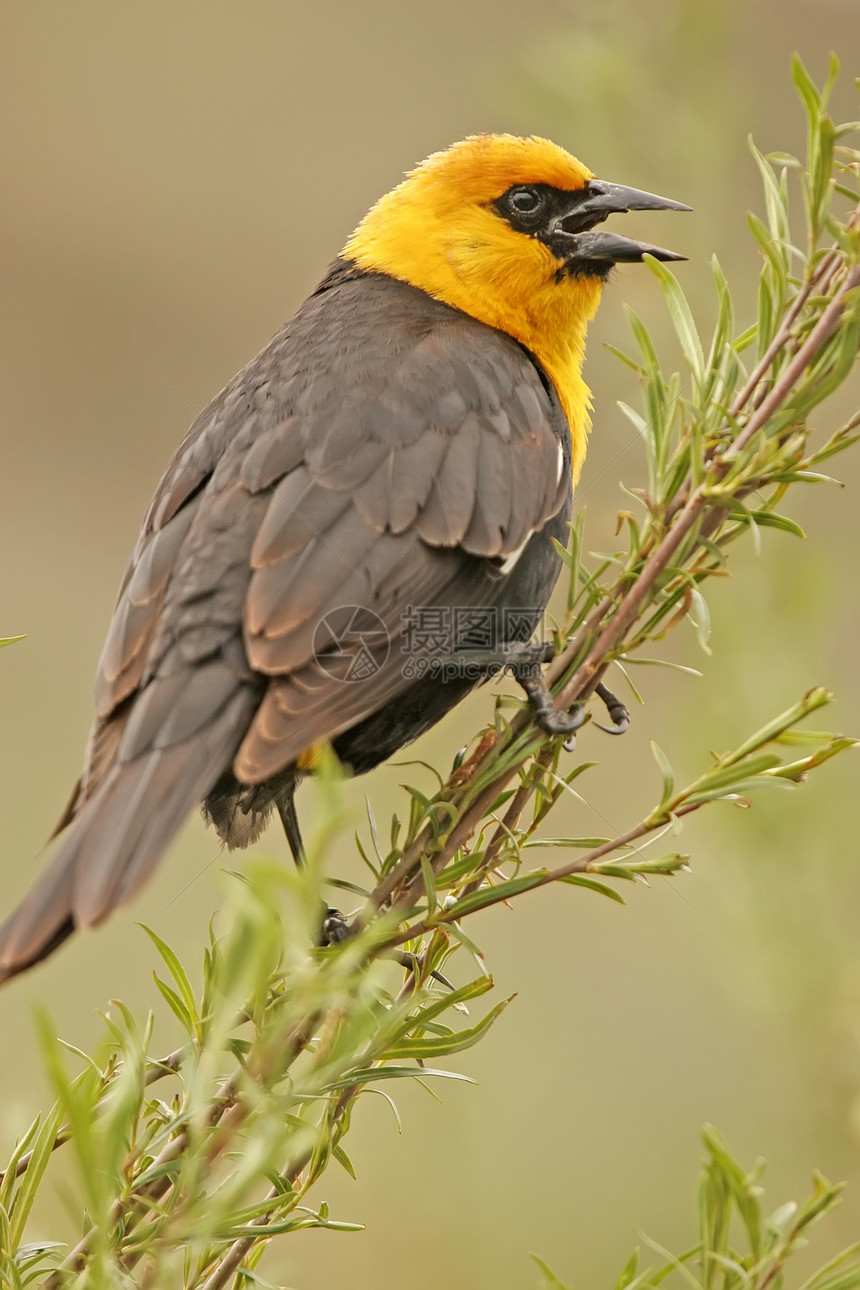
{"x": 444, "y": 518}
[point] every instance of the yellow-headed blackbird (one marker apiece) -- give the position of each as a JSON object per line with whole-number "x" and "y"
{"x": 355, "y": 527}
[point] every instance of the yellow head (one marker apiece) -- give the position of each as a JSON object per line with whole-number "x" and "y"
{"x": 500, "y": 227}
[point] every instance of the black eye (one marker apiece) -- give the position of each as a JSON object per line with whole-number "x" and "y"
{"x": 527, "y": 202}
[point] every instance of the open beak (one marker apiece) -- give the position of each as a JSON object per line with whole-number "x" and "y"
{"x": 587, "y": 251}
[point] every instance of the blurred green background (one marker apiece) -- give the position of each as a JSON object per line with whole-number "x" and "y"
{"x": 175, "y": 179}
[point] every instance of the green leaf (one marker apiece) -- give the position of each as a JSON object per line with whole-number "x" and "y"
{"x": 700, "y": 617}
{"x": 642, "y": 866}
{"x": 451, "y": 999}
{"x": 494, "y": 895}
{"x": 773, "y": 240}
{"x": 583, "y": 844}
{"x": 343, "y": 884}
{"x": 665, "y": 768}
{"x": 343, "y": 1159}
{"x": 806, "y": 87}
{"x": 445, "y": 1046}
{"x": 26, "y": 1193}
{"x": 628, "y": 1272}
{"x": 371, "y": 1074}
{"x": 177, "y": 971}
{"x": 551, "y": 1281}
{"x": 175, "y": 1004}
{"x": 746, "y": 338}
{"x": 770, "y": 520}
{"x": 733, "y": 778}
{"x": 429, "y": 878}
{"x": 681, "y": 315}
{"x": 635, "y": 418}
{"x": 776, "y": 256}
{"x": 10, "y": 1173}
{"x": 663, "y": 662}
{"x": 78, "y": 1097}
{"x": 35, "y": 1259}
{"x": 581, "y": 880}
{"x": 767, "y": 308}
{"x": 625, "y": 358}
{"x": 9, "y": 1272}
{"x": 474, "y": 949}
{"x": 10, "y": 640}
{"x": 817, "y": 697}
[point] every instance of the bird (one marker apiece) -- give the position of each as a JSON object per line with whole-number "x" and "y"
{"x": 376, "y": 492}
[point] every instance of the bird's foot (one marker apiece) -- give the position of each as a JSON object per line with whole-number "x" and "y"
{"x": 552, "y": 720}
{"x": 336, "y": 927}
{"x": 524, "y": 662}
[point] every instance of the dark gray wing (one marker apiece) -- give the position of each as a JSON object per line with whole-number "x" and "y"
{"x": 422, "y": 474}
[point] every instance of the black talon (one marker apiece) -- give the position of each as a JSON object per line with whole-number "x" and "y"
{"x": 618, "y": 713}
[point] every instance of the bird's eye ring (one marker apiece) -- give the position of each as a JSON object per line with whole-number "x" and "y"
{"x": 525, "y": 201}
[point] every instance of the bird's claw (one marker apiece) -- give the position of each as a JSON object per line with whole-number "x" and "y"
{"x": 618, "y": 713}
{"x": 557, "y": 722}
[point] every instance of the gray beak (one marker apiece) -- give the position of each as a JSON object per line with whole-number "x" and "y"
{"x": 597, "y": 200}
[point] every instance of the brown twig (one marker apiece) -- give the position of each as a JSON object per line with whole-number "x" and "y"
{"x": 581, "y": 864}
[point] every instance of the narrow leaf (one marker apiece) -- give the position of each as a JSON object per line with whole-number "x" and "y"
{"x": 580, "y": 880}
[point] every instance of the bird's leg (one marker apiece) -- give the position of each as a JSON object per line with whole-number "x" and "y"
{"x": 524, "y": 654}
{"x": 335, "y": 926}
{"x": 516, "y": 656}
{"x": 290, "y": 821}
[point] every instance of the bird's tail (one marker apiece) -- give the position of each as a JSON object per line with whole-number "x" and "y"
{"x": 117, "y": 838}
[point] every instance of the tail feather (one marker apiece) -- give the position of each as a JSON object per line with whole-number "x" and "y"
{"x": 118, "y": 837}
